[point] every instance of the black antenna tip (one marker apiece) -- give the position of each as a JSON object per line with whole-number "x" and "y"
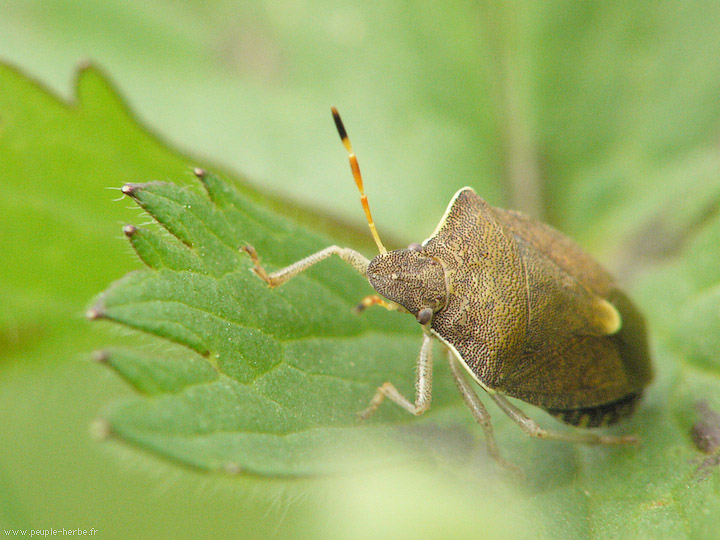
{"x": 339, "y": 124}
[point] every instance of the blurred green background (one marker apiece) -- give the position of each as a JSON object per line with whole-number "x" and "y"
{"x": 603, "y": 119}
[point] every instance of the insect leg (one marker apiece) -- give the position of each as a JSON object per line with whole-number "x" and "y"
{"x": 529, "y": 426}
{"x": 355, "y": 259}
{"x": 423, "y": 386}
{"x": 478, "y": 410}
{"x": 375, "y": 300}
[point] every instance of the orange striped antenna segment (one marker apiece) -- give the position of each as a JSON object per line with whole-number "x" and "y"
{"x": 358, "y": 177}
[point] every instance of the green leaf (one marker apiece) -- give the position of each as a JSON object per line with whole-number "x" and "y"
{"x": 291, "y": 367}
{"x": 610, "y": 111}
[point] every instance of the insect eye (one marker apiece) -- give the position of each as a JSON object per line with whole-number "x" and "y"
{"x": 424, "y": 315}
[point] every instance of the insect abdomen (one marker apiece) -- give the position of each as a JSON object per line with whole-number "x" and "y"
{"x": 600, "y": 415}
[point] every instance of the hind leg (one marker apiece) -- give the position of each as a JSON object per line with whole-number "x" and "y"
{"x": 529, "y": 426}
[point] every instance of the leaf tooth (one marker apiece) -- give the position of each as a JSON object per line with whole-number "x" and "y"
{"x": 194, "y": 220}
{"x": 161, "y": 251}
{"x": 216, "y": 189}
{"x": 232, "y": 469}
{"x": 101, "y": 357}
{"x": 96, "y": 312}
{"x": 100, "y": 429}
{"x": 159, "y": 374}
{"x": 166, "y": 211}
{"x": 240, "y": 211}
{"x": 168, "y": 329}
{"x": 131, "y": 190}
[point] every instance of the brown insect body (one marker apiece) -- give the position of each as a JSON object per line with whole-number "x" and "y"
{"x": 529, "y": 313}
{"x": 519, "y": 305}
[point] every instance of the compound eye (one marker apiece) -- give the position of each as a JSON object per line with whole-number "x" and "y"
{"x": 415, "y": 247}
{"x": 424, "y": 315}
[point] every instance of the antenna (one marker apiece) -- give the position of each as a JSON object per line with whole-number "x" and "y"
{"x": 358, "y": 178}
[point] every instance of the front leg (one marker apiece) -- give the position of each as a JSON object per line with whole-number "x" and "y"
{"x": 423, "y": 386}
{"x": 277, "y": 278}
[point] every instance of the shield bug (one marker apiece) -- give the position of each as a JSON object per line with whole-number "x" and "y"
{"x": 518, "y": 306}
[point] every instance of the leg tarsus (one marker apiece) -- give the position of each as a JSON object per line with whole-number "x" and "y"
{"x": 258, "y": 268}
{"x": 423, "y": 386}
{"x": 388, "y": 390}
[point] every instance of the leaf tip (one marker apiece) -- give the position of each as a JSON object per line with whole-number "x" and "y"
{"x": 84, "y": 64}
{"x": 101, "y": 357}
{"x": 94, "y": 313}
{"x": 232, "y": 469}
{"x": 100, "y": 429}
{"x": 130, "y": 189}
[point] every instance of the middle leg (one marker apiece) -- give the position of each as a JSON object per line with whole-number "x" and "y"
{"x": 423, "y": 386}
{"x": 479, "y": 412}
